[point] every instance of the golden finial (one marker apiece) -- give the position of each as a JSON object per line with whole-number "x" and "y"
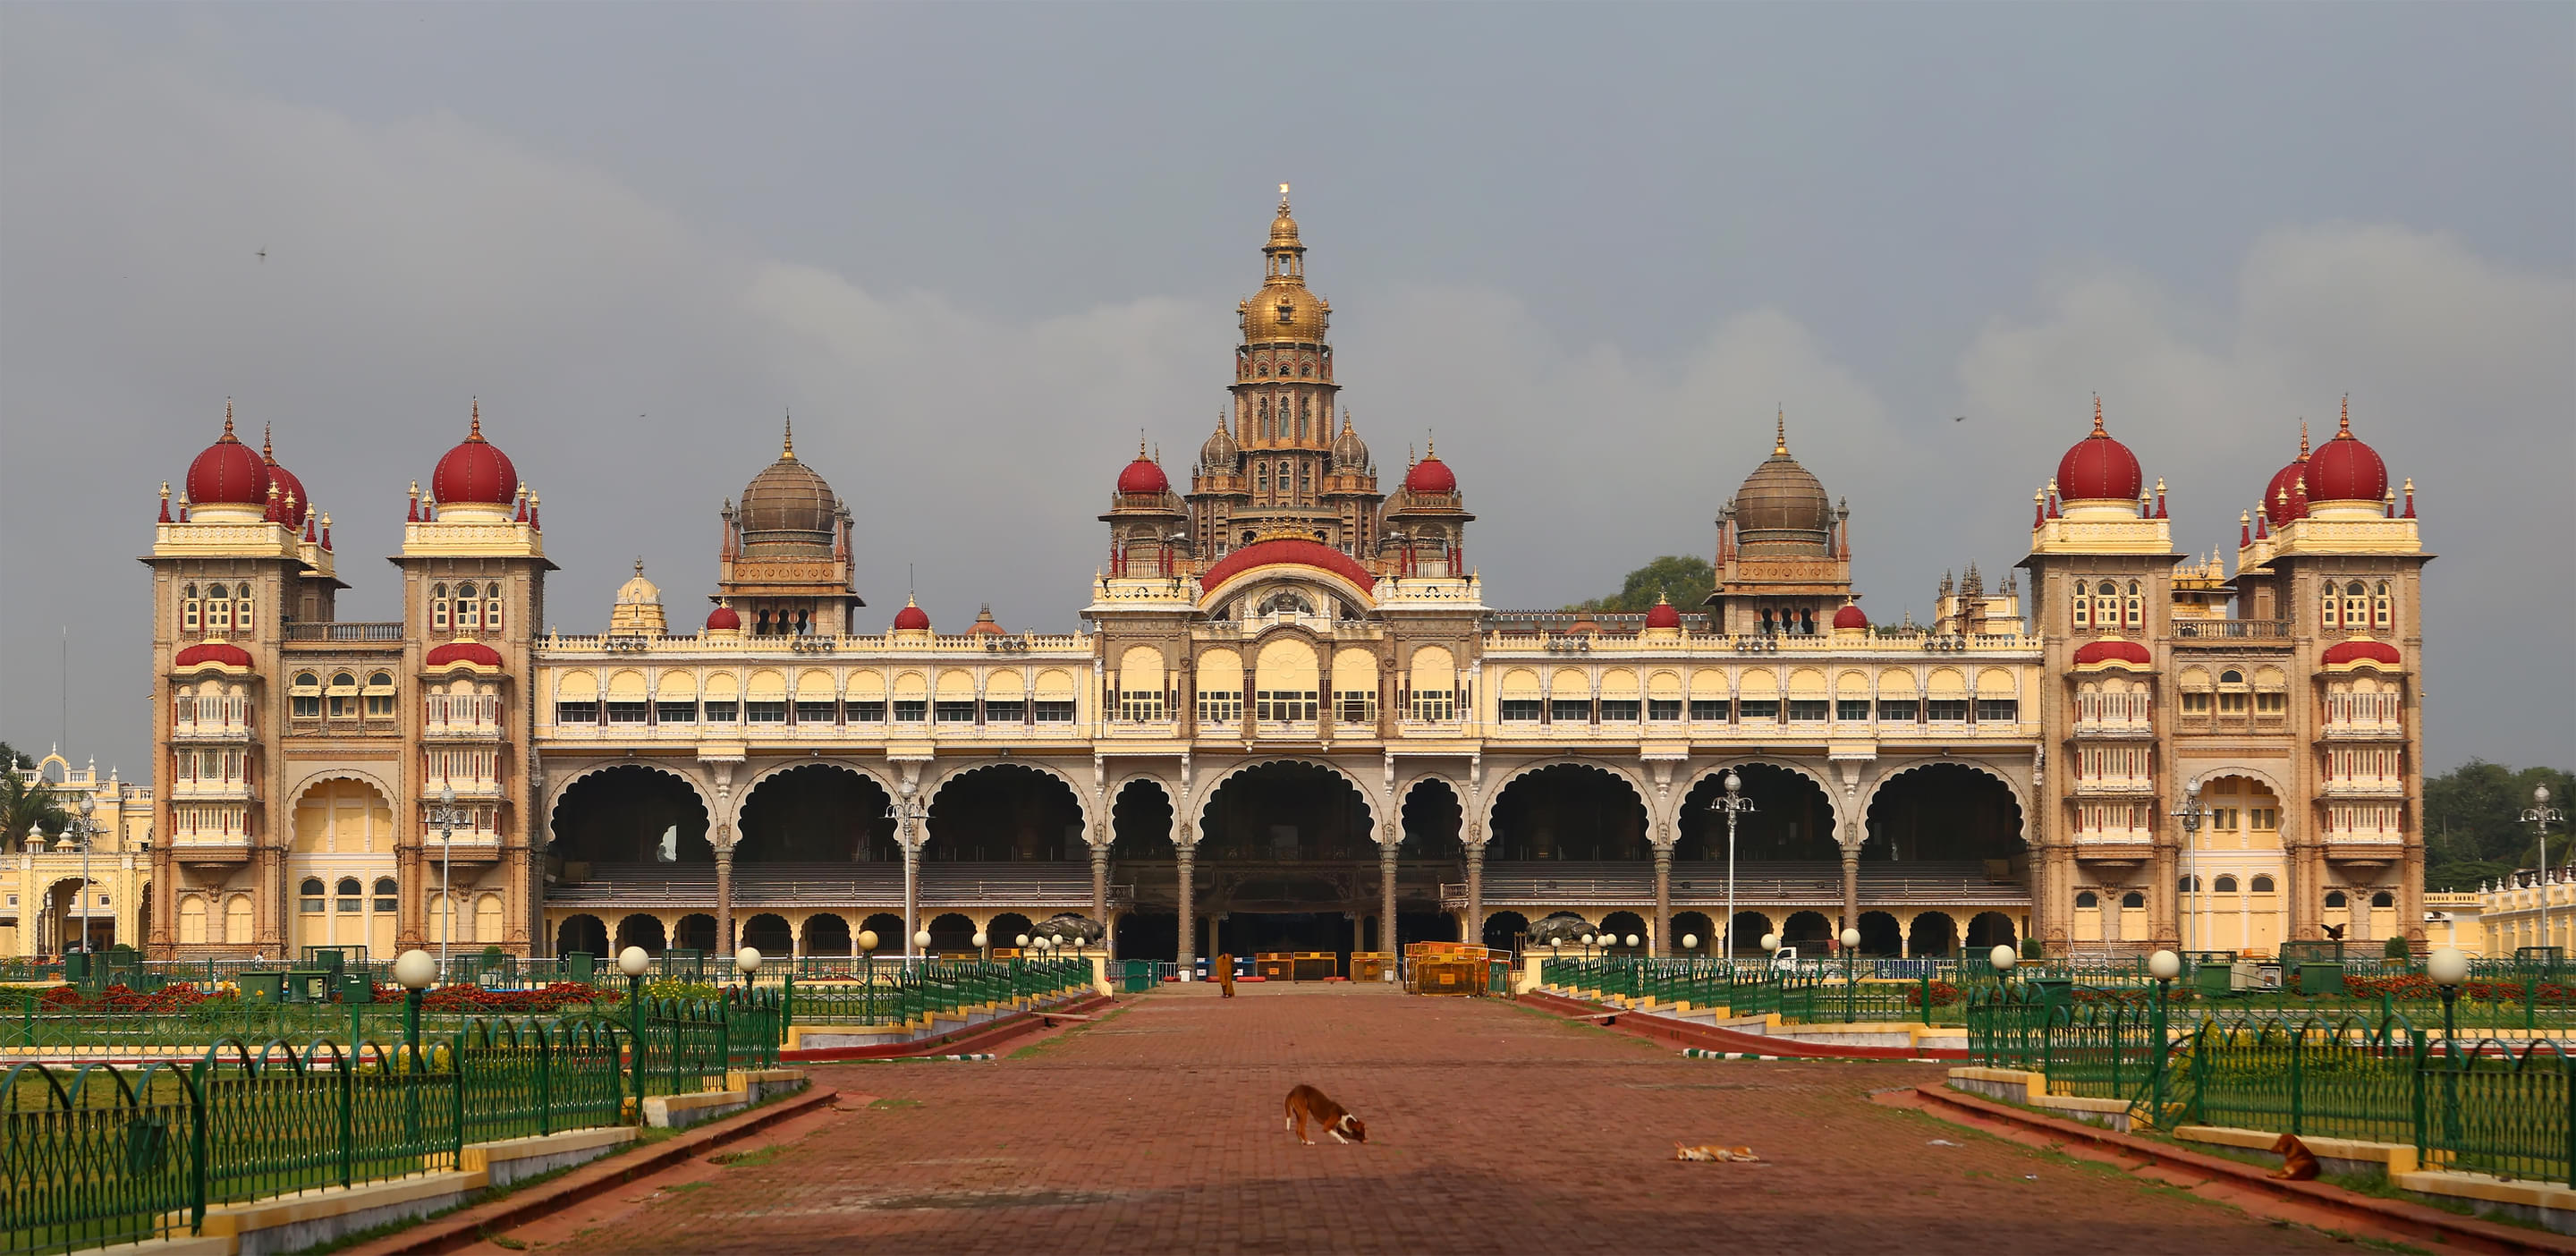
{"x": 2346, "y": 428}
{"x": 2097, "y": 416}
{"x": 267, "y": 452}
{"x": 1283, "y": 198}
{"x": 2303, "y": 438}
{"x": 476, "y": 432}
{"x": 1430, "y": 450}
{"x": 639, "y": 564}
{"x": 1140, "y": 444}
{"x": 1780, "y": 434}
{"x": 787, "y": 444}
{"x": 228, "y": 419}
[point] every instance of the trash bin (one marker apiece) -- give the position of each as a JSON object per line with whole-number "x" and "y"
{"x": 1139, "y": 976}
{"x": 262, "y": 985}
{"x": 2213, "y": 978}
{"x": 76, "y": 967}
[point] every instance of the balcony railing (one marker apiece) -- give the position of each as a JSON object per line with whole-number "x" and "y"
{"x": 204, "y": 719}
{"x": 2232, "y": 629}
{"x": 345, "y": 632}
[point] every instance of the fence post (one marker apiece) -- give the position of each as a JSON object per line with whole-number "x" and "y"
{"x": 197, "y": 1147}
{"x": 545, "y": 1081}
{"x": 348, "y": 1080}
{"x": 2416, "y": 1050}
{"x": 2298, "y": 1079}
{"x": 1927, "y": 993}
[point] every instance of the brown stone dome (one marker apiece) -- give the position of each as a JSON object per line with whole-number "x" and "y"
{"x": 788, "y": 510}
{"x": 1782, "y": 510}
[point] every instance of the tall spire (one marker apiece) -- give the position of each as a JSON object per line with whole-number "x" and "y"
{"x": 1780, "y": 434}
{"x": 787, "y": 444}
{"x": 2303, "y": 438}
{"x": 267, "y": 451}
{"x": 228, "y": 421}
{"x": 2097, "y": 416}
{"x": 475, "y": 433}
{"x": 2345, "y": 429}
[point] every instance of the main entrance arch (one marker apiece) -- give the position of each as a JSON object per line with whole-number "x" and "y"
{"x": 1285, "y": 862}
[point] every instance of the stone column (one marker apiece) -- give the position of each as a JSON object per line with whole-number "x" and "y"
{"x": 911, "y": 890}
{"x": 1100, "y": 890}
{"x": 1386, "y": 855}
{"x": 1185, "y": 855}
{"x": 1476, "y": 892}
{"x": 1663, "y": 921}
{"x": 1851, "y": 889}
{"x": 724, "y": 895}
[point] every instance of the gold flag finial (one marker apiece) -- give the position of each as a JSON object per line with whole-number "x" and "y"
{"x": 1780, "y": 434}
{"x": 787, "y": 443}
{"x": 1283, "y": 198}
{"x": 2097, "y": 415}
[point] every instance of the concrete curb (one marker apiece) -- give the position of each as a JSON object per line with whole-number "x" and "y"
{"x": 957, "y": 1042}
{"x": 1726, "y": 1041}
{"x": 2382, "y": 1217}
{"x": 463, "y": 1229}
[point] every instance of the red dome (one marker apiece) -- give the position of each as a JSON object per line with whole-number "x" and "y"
{"x": 1142, "y": 476}
{"x": 911, "y": 618}
{"x": 2113, "y": 652}
{"x": 228, "y": 473}
{"x": 293, "y": 503}
{"x": 1431, "y": 475}
{"x": 1663, "y": 614}
{"x": 724, "y": 618}
{"x": 2347, "y": 470}
{"x": 2286, "y": 497}
{"x": 1850, "y": 617}
{"x": 454, "y": 652}
{"x": 2099, "y": 468}
{"x": 2362, "y": 652}
{"x": 1287, "y": 550}
{"x": 475, "y": 471}
{"x": 217, "y": 652}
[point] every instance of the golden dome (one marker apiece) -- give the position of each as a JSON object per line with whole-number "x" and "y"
{"x": 1284, "y": 310}
{"x": 637, "y": 589}
{"x": 1782, "y": 509}
{"x": 788, "y": 510}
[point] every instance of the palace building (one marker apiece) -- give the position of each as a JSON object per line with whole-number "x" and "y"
{"x": 1289, "y": 721}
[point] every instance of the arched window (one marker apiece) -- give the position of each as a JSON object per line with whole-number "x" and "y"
{"x": 1260, "y": 481}
{"x": 2335, "y": 898}
{"x": 311, "y": 894}
{"x": 241, "y": 609}
{"x": 350, "y": 894}
{"x": 386, "y": 897}
{"x": 468, "y": 611}
{"x": 2137, "y": 606}
{"x": 2262, "y": 885}
{"x": 2133, "y": 899}
{"x": 2186, "y": 886}
{"x": 492, "y": 607}
{"x": 2383, "y": 899}
{"x": 2231, "y": 677}
{"x": 341, "y": 699}
{"x": 2356, "y": 605}
{"x": 188, "y": 609}
{"x": 2225, "y": 884}
{"x": 2082, "y": 607}
{"x": 2383, "y": 612}
{"x": 2087, "y": 900}
{"x": 219, "y": 609}
{"x": 438, "y": 608}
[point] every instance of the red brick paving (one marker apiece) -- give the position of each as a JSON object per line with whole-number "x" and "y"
{"x": 1492, "y": 1127}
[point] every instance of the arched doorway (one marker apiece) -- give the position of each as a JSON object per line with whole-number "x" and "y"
{"x": 1008, "y": 928}
{"x": 1619, "y": 926}
{"x": 628, "y": 815}
{"x": 1430, "y": 852}
{"x": 828, "y": 934}
{"x": 1988, "y": 930}
{"x": 1141, "y": 855}
{"x": 1568, "y": 812}
{"x": 1880, "y": 935}
{"x": 343, "y": 836}
{"x": 1947, "y": 814}
{"x": 1694, "y": 933}
{"x": 1746, "y": 937}
{"x": 820, "y": 813}
{"x": 641, "y": 930}
{"x": 1284, "y": 861}
{"x": 952, "y": 934}
{"x": 767, "y": 932}
{"x": 1933, "y": 936}
{"x": 889, "y": 930}
{"x": 1006, "y": 813}
{"x": 697, "y": 932}
{"x": 583, "y": 932}
{"x": 1504, "y": 929}
{"x": 1811, "y": 932}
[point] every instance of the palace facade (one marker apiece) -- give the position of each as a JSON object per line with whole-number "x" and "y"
{"x": 1289, "y": 721}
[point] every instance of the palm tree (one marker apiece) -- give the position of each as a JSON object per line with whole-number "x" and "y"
{"x": 28, "y": 804}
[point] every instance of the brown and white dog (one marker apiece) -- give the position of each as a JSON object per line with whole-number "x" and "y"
{"x": 1711, "y": 1151}
{"x": 1306, "y": 1103}
{"x": 2298, "y": 1164}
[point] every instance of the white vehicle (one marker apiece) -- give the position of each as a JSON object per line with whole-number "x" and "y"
{"x": 1785, "y": 959}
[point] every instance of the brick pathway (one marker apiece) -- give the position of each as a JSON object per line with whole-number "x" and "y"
{"x": 1492, "y": 1128}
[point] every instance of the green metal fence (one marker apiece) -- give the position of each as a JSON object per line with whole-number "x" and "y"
{"x": 896, "y": 992}
{"x": 96, "y": 1154}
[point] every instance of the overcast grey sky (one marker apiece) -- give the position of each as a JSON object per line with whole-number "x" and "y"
{"x": 977, "y": 248}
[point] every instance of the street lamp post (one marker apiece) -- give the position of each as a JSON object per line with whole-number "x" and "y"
{"x": 633, "y": 961}
{"x": 2448, "y": 967}
{"x": 2539, "y": 817}
{"x": 446, "y": 816}
{"x": 2190, "y": 813}
{"x": 1734, "y": 805}
{"x": 2164, "y": 966}
{"x": 415, "y": 972}
{"x": 1851, "y": 943}
{"x": 2001, "y": 959}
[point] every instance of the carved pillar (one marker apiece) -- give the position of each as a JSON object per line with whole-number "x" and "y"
{"x": 724, "y": 892}
{"x": 1386, "y": 855}
{"x": 1100, "y": 890}
{"x": 272, "y": 901}
{"x": 1185, "y": 854}
{"x": 1851, "y": 888}
{"x": 1475, "y": 930}
{"x": 911, "y": 887}
{"x": 1663, "y": 921}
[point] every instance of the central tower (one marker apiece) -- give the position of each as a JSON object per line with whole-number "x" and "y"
{"x": 1280, "y": 464}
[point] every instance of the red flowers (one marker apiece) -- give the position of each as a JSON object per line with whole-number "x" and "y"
{"x": 2419, "y": 986}
{"x": 118, "y": 998}
{"x": 553, "y": 998}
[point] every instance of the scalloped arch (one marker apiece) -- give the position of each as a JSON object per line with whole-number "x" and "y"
{"x": 556, "y": 789}
{"x": 393, "y": 799}
{"x": 2289, "y": 814}
{"x": 2020, "y": 795}
{"x": 1196, "y": 824}
{"x": 742, "y": 793}
{"x": 1081, "y": 796}
{"x": 1494, "y": 794}
{"x": 1829, "y": 788}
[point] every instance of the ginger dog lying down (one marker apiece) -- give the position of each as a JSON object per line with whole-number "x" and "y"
{"x": 2298, "y": 1164}
{"x": 1711, "y": 1151}
{"x": 1307, "y": 1103}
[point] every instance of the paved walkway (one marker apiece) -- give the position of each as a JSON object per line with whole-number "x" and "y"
{"x": 1492, "y": 1127}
